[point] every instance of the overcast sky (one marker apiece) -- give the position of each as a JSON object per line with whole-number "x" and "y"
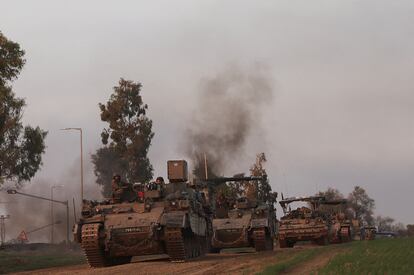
{"x": 342, "y": 113}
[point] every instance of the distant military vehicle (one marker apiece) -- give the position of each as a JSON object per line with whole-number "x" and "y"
{"x": 368, "y": 233}
{"x": 171, "y": 218}
{"x": 356, "y": 225}
{"x": 244, "y": 222}
{"x": 303, "y": 223}
{"x": 341, "y": 229}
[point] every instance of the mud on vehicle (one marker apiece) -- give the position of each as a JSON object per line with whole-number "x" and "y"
{"x": 171, "y": 220}
{"x": 368, "y": 233}
{"x": 244, "y": 220}
{"x": 248, "y": 224}
{"x": 303, "y": 223}
{"x": 341, "y": 227}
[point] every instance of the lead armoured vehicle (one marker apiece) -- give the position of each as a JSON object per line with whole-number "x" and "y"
{"x": 172, "y": 219}
{"x": 244, "y": 222}
{"x": 303, "y": 223}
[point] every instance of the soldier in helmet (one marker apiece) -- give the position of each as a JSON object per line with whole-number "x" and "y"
{"x": 160, "y": 183}
{"x": 120, "y": 190}
{"x": 116, "y": 188}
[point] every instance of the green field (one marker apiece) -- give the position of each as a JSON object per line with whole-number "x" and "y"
{"x": 382, "y": 256}
{"x": 385, "y": 256}
{"x": 14, "y": 261}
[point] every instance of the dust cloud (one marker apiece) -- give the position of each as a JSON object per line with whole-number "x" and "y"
{"x": 29, "y": 213}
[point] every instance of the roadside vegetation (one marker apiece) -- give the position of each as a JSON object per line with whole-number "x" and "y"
{"x": 383, "y": 256}
{"x": 16, "y": 261}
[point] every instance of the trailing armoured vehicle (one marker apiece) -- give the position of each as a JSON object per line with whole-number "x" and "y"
{"x": 368, "y": 233}
{"x": 341, "y": 229}
{"x": 244, "y": 221}
{"x": 170, "y": 218}
{"x": 303, "y": 223}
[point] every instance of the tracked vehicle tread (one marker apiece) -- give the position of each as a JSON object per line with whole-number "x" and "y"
{"x": 183, "y": 244}
{"x": 91, "y": 245}
{"x": 175, "y": 244}
{"x": 259, "y": 236}
{"x": 345, "y": 234}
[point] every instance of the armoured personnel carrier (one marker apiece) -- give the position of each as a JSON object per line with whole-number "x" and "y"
{"x": 341, "y": 229}
{"x": 168, "y": 219}
{"x": 244, "y": 222}
{"x": 368, "y": 233}
{"x": 303, "y": 223}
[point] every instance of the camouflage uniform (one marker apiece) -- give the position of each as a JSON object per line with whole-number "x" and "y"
{"x": 120, "y": 190}
{"x": 160, "y": 183}
{"x": 116, "y": 189}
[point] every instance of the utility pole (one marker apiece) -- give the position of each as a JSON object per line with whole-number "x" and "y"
{"x": 3, "y": 228}
{"x": 65, "y": 203}
{"x": 81, "y": 156}
{"x": 52, "y": 228}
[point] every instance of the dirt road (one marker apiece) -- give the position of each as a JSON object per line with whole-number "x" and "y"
{"x": 210, "y": 264}
{"x": 227, "y": 263}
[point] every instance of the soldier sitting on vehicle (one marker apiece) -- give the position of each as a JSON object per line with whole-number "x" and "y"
{"x": 160, "y": 183}
{"x": 157, "y": 185}
{"x": 120, "y": 190}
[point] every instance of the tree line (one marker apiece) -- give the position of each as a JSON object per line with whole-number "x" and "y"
{"x": 361, "y": 206}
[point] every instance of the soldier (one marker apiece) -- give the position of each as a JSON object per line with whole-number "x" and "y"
{"x": 120, "y": 190}
{"x": 116, "y": 189}
{"x": 160, "y": 183}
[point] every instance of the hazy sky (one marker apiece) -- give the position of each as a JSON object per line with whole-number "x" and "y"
{"x": 342, "y": 112}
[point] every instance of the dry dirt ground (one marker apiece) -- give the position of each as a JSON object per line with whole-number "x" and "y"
{"x": 210, "y": 264}
{"x": 247, "y": 263}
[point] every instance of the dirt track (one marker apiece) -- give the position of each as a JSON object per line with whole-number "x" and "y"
{"x": 210, "y": 264}
{"x": 246, "y": 263}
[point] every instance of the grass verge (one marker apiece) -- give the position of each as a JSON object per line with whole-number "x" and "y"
{"x": 382, "y": 256}
{"x": 16, "y": 261}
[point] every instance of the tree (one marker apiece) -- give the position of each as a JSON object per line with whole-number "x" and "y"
{"x": 410, "y": 229}
{"x": 264, "y": 190}
{"x": 21, "y": 147}
{"x": 334, "y": 194}
{"x": 362, "y": 205}
{"x": 384, "y": 223}
{"x": 260, "y": 189}
{"x": 11, "y": 60}
{"x": 127, "y": 139}
{"x": 331, "y": 194}
{"x": 399, "y": 228}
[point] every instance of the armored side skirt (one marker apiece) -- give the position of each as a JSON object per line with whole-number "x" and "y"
{"x": 303, "y": 233}
{"x": 135, "y": 241}
{"x": 230, "y": 238}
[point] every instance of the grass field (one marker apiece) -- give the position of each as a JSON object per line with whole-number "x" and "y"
{"x": 14, "y": 261}
{"x": 382, "y": 256}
